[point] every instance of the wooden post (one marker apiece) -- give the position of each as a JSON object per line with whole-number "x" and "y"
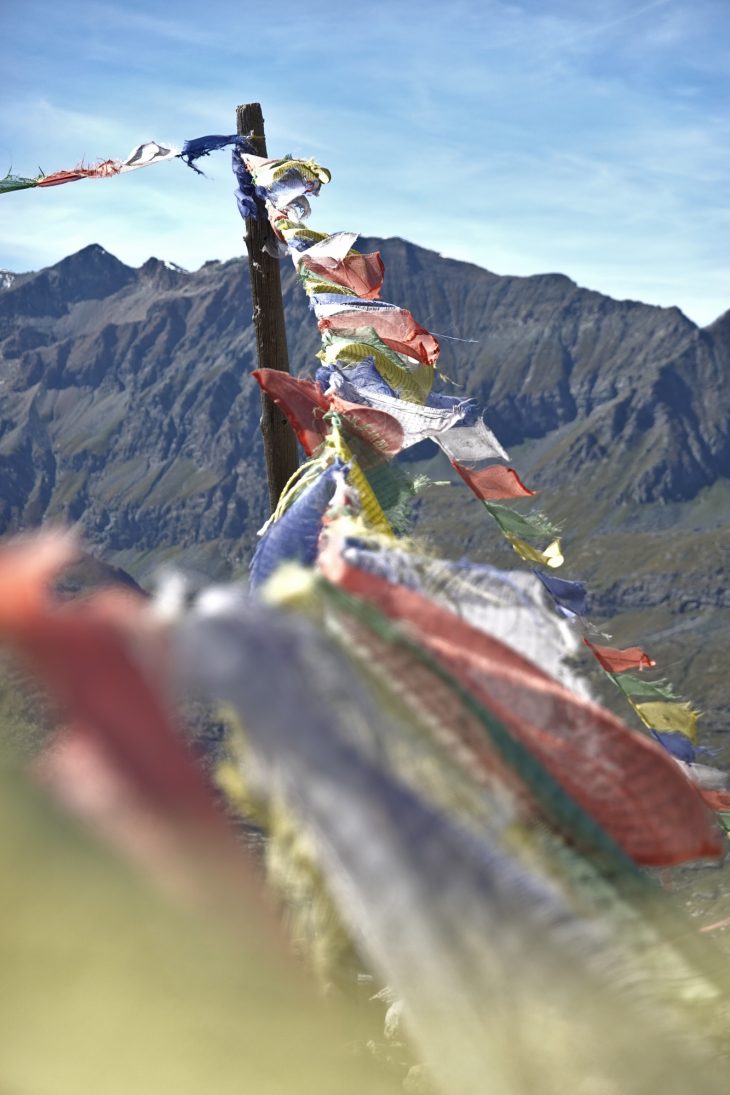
{"x": 280, "y": 447}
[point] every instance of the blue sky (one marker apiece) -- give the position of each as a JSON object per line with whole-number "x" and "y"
{"x": 590, "y": 137}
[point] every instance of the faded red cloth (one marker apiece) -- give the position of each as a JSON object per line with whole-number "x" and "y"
{"x": 304, "y": 405}
{"x": 626, "y": 782}
{"x": 361, "y": 274}
{"x": 301, "y": 401}
{"x": 493, "y": 482}
{"x": 617, "y": 661}
{"x": 103, "y": 170}
{"x": 396, "y": 327}
{"x": 717, "y": 800}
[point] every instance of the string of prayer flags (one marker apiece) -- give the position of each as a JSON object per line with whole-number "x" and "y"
{"x": 570, "y": 596}
{"x": 143, "y": 155}
{"x": 668, "y": 716}
{"x": 353, "y": 437}
{"x": 494, "y": 482}
{"x": 617, "y": 661}
{"x": 628, "y": 785}
{"x": 376, "y": 340}
{"x": 552, "y": 556}
{"x": 509, "y": 605}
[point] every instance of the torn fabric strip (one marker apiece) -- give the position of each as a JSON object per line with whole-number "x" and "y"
{"x": 103, "y": 170}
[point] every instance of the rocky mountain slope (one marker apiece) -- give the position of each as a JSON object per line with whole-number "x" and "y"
{"x": 126, "y": 405}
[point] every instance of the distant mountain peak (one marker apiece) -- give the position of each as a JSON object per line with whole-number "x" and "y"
{"x": 161, "y": 272}
{"x": 89, "y": 274}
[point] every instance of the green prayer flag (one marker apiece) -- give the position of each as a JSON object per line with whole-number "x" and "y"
{"x": 634, "y": 686}
{"x": 16, "y": 182}
{"x": 529, "y": 526}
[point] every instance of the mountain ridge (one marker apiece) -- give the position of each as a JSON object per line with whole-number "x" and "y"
{"x": 126, "y": 405}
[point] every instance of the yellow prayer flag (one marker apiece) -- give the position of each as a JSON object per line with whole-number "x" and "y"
{"x": 371, "y": 510}
{"x": 668, "y": 716}
{"x": 552, "y": 556}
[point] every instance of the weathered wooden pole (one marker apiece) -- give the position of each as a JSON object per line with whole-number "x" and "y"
{"x": 280, "y": 447}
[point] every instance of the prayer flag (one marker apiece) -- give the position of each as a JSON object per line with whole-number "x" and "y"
{"x": 552, "y": 556}
{"x": 493, "y": 482}
{"x": 677, "y": 744}
{"x": 522, "y": 525}
{"x": 616, "y": 661}
{"x": 395, "y": 326}
{"x": 668, "y": 716}
{"x": 635, "y": 686}
{"x": 470, "y": 444}
{"x": 569, "y": 595}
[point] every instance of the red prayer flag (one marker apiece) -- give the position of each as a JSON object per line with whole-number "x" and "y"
{"x": 494, "y": 482}
{"x": 304, "y": 405}
{"x": 361, "y": 274}
{"x": 103, "y": 170}
{"x": 396, "y": 327}
{"x": 122, "y": 763}
{"x": 617, "y": 661}
{"x": 717, "y": 800}
{"x": 378, "y": 428}
{"x": 301, "y": 401}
